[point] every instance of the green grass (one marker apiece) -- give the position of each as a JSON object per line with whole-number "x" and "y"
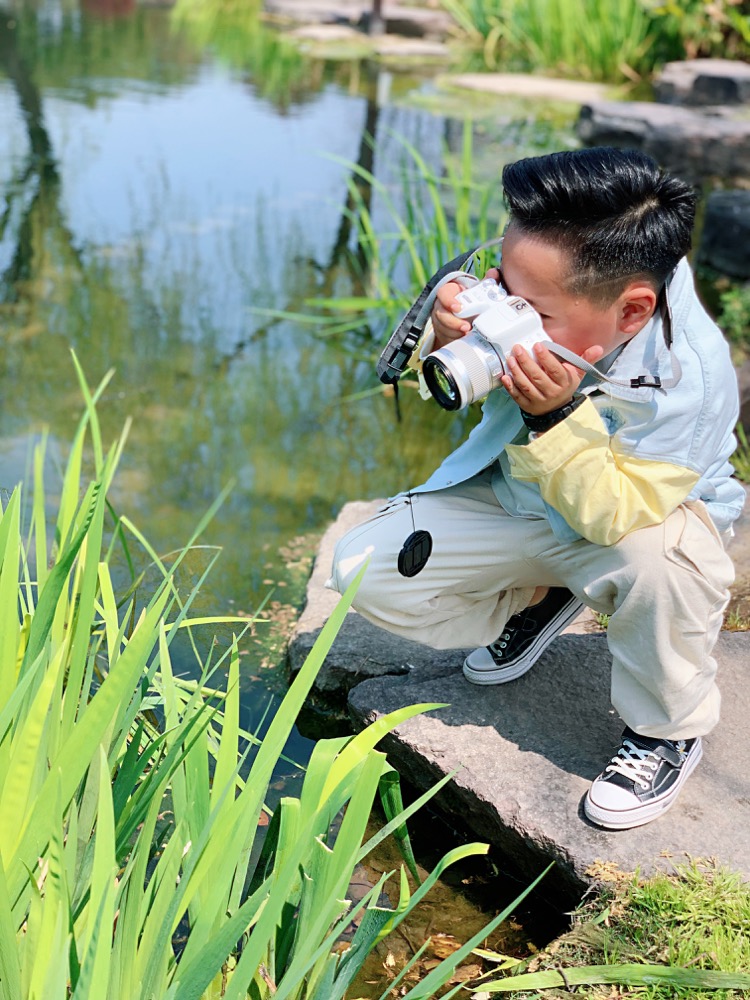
{"x": 685, "y": 935}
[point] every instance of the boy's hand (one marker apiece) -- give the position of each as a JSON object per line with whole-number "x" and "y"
{"x": 542, "y": 382}
{"x": 446, "y": 324}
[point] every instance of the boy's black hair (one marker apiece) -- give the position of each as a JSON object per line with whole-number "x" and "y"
{"x": 613, "y": 211}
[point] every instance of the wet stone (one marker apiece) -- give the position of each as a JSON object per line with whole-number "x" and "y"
{"x": 526, "y": 85}
{"x": 414, "y": 22}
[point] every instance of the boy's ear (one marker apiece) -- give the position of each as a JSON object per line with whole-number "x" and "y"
{"x": 637, "y": 305}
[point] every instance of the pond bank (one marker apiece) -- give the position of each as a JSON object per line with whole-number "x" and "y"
{"x": 528, "y": 751}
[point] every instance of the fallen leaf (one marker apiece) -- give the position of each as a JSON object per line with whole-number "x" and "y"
{"x": 444, "y": 945}
{"x": 465, "y": 972}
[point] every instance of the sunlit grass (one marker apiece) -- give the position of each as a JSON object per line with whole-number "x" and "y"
{"x": 685, "y": 935}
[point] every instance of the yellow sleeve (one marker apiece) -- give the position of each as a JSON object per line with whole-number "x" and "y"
{"x": 601, "y": 493}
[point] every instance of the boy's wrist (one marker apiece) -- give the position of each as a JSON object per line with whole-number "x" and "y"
{"x": 539, "y": 423}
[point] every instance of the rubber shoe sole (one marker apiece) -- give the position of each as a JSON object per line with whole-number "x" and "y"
{"x": 546, "y": 635}
{"x": 628, "y": 819}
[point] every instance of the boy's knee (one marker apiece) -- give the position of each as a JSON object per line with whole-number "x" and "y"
{"x": 348, "y": 559}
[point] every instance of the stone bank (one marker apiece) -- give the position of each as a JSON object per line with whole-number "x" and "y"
{"x": 526, "y": 751}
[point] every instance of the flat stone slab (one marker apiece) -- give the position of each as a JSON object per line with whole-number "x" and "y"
{"x": 527, "y": 752}
{"x": 397, "y": 18}
{"x": 525, "y": 85}
{"x": 692, "y": 144}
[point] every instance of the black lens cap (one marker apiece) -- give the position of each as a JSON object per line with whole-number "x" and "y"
{"x": 414, "y": 553}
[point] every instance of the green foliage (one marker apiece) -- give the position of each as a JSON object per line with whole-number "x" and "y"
{"x": 237, "y": 33}
{"x": 691, "y": 29}
{"x": 599, "y": 40}
{"x": 592, "y": 39}
{"x": 133, "y": 861}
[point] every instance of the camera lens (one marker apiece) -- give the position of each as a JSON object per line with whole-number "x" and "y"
{"x": 441, "y": 383}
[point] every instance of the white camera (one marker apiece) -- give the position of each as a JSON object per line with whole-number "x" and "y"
{"x": 469, "y": 368}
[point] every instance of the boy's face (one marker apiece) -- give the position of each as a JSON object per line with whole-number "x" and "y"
{"x": 536, "y": 271}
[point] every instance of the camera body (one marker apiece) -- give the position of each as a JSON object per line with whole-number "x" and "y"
{"x": 470, "y": 367}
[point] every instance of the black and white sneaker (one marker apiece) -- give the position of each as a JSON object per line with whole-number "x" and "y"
{"x": 523, "y": 640}
{"x": 641, "y": 781}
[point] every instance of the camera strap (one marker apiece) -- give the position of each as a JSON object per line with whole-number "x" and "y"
{"x": 406, "y": 336}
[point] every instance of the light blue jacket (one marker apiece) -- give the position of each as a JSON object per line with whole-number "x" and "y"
{"x": 641, "y": 443}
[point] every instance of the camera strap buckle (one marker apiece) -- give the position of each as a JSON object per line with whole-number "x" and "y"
{"x": 646, "y": 382}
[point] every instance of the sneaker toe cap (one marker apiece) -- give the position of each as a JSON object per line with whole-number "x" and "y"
{"x": 480, "y": 659}
{"x": 609, "y": 797}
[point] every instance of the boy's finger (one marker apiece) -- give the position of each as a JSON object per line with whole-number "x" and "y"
{"x": 549, "y": 362}
{"x": 447, "y": 322}
{"x": 525, "y": 383}
{"x": 528, "y": 365}
{"x": 446, "y": 295}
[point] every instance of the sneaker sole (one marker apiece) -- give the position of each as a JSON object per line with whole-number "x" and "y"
{"x": 628, "y": 819}
{"x": 501, "y": 675}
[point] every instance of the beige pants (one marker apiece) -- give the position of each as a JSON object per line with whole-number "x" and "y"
{"x": 665, "y": 588}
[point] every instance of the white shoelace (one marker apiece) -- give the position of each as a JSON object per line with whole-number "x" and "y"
{"x": 634, "y": 763}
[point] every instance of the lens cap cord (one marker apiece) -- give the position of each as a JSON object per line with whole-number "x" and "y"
{"x": 416, "y": 550}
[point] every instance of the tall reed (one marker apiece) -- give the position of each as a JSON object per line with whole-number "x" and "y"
{"x": 135, "y": 858}
{"x": 591, "y": 39}
{"x": 430, "y": 219}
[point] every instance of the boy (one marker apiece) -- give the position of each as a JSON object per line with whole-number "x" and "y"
{"x": 619, "y": 496}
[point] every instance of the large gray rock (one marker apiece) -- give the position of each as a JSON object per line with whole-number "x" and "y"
{"x": 691, "y": 144}
{"x": 725, "y": 238}
{"x": 528, "y": 751}
{"x": 704, "y": 82}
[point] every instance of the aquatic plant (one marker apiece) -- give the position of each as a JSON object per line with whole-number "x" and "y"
{"x": 138, "y": 855}
{"x": 431, "y": 219}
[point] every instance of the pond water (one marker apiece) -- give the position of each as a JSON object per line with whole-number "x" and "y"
{"x": 158, "y": 187}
